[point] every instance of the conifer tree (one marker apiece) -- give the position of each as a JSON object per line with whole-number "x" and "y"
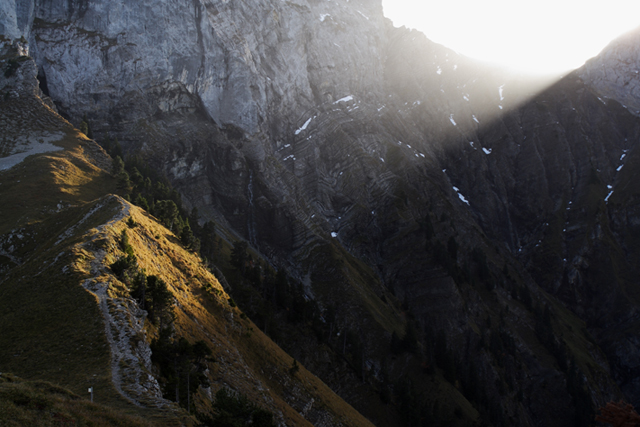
{"x": 239, "y": 255}
{"x": 160, "y": 301}
{"x": 118, "y": 166}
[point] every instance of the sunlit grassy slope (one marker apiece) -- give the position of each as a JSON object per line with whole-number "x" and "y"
{"x": 246, "y": 359}
{"x": 51, "y": 327}
{"x": 60, "y": 230}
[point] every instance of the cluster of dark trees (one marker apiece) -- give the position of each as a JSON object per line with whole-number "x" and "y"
{"x": 272, "y": 298}
{"x": 266, "y": 294}
{"x": 182, "y": 366}
{"x": 150, "y": 292}
{"x": 145, "y": 187}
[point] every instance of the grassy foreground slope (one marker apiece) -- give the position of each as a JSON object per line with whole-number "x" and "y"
{"x": 40, "y": 403}
{"x": 68, "y": 319}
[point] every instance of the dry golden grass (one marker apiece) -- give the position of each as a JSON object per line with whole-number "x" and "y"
{"x": 54, "y": 327}
{"x": 45, "y": 184}
{"x": 247, "y": 360}
{"x": 41, "y": 403}
{"x": 51, "y": 327}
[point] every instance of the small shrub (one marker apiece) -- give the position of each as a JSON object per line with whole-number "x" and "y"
{"x": 84, "y": 127}
{"x": 124, "y": 242}
{"x": 11, "y": 68}
{"x": 122, "y": 264}
{"x": 294, "y": 367}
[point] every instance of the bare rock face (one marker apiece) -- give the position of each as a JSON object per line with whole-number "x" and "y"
{"x": 15, "y": 18}
{"x": 615, "y": 72}
{"x": 244, "y": 62}
{"x": 556, "y": 191}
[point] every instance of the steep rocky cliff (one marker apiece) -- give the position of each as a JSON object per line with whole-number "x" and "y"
{"x": 411, "y": 191}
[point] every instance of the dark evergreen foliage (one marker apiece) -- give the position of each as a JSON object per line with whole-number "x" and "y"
{"x": 239, "y": 255}
{"x": 123, "y": 264}
{"x": 294, "y": 367}
{"x": 12, "y": 67}
{"x": 118, "y": 166}
{"x": 85, "y": 127}
{"x": 208, "y": 241}
{"x": 159, "y": 301}
{"x": 235, "y": 410}
{"x": 188, "y": 239}
{"x": 124, "y": 243}
{"x": 181, "y": 364}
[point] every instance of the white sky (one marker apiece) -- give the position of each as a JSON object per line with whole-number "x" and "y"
{"x": 542, "y": 36}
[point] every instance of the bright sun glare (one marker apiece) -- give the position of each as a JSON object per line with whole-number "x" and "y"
{"x": 541, "y": 37}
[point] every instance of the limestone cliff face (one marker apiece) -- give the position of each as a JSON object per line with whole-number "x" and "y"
{"x": 377, "y": 166}
{"x": 243, "y": 61}
{"x": 16, "y": 17}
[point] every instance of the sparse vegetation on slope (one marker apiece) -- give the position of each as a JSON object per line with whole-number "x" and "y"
{"x": 41, "y": 403}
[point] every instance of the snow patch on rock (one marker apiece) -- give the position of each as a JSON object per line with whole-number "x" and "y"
{"x": 304, "y": 126}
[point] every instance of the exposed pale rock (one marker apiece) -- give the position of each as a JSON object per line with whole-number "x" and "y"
{"x": 16, "y": 17}
{"x": 243, "y": 61}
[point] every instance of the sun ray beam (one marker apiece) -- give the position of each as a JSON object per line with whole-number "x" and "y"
{"x": 542, "y": 37}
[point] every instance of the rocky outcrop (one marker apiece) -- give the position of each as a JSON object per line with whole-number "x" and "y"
{"x": 614, "y": 73}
